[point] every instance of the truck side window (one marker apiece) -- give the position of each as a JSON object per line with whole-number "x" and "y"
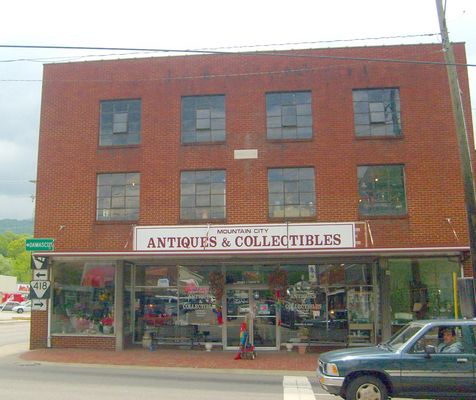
{"x": 430, "y": 338}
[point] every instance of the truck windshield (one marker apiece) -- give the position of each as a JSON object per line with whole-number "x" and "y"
{"x": 398, "y": 340}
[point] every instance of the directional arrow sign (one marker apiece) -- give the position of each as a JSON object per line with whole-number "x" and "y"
{"x": 40, "y": 275}
{"x": 39, "y": 262}
{"x": 39, "y": 305}
{"x": 40, "y": 289}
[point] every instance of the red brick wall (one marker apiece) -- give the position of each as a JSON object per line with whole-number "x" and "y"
{"x": 38, "y": 329}
{"x": 84, "y": 342}
{"x": 69, "y": 155}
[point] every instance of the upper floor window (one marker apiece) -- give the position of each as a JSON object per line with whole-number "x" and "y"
{"x": 291, "y": 192}
{"x": 118, "y": 196}
{"x": 377, "y": 112}
{"x": 203, "y": 119}
{"x": 120, "y": 122}
{"x": 202, "y": 195}
{"x": 289, "y": 115}
{"x": 381, "y": 190}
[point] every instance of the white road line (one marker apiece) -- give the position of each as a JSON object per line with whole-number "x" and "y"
{"x": 297, "y": 388}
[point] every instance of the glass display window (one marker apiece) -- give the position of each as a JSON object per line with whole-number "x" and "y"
{"x": 156, "y": 276}
{"x": 83, "y": 298}
{"x": 422, "y": 288}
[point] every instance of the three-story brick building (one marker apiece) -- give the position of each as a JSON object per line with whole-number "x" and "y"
{"x": 315, "y": 194}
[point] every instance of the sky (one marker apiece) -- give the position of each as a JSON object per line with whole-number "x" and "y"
{"x": 184, "y": 24}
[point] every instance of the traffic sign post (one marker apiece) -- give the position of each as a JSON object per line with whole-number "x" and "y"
{"x": 38, "y": 244}
{"x": 40, "y": 289}
{"x": 40, "y": 275}
{"x": 39, "y": 304}
{"x": 39, "y": 262}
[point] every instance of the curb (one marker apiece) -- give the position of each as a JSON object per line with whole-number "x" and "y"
{"x": 244, "y": 371}
{"x": 12, "y": 320}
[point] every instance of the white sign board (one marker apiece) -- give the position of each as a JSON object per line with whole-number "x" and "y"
{"x": 39, "y": 289}
{"x": 244, "y": 238}
{"x": 38, "y": 262}
{"x": 40, "y": 275}
{"x": 39, "y": 304}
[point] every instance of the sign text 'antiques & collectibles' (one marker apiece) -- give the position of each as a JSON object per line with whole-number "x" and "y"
{"x": 244, "y": 238}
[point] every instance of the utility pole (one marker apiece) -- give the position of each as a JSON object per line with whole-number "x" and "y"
{"x": 464, "y": 149}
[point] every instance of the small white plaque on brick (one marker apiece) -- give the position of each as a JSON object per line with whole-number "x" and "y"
{"x": 246, "y": 154}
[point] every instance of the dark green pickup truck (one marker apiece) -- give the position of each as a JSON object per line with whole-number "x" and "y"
{"x": 425, "y": 359}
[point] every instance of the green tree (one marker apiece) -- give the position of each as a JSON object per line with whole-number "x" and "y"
{"x": 16, "y": 246}
{"x": 5, "y": 266}
{"x": 21, "y": 267}
{"x": 14, "y": 259}
{"x": 5, "y": 240}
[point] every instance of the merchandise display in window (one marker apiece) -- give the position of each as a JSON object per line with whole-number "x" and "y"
{"x": 83, "y": 299}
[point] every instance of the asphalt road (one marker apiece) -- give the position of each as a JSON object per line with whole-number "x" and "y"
{"x": 14, "y": 332}
{"x": 58, "y": 382}
{"x": 54, "y": 381}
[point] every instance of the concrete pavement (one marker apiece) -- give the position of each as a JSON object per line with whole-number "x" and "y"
{"x": 166, "y": 357}
{"x": 10, "y": 316}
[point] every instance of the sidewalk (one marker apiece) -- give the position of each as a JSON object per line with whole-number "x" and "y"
{"x": 10, "y": 316}
{"x": 173, "y": 357}
{"x": 167, "y": 358}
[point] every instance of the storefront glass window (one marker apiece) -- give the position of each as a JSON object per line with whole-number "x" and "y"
{"x": 176, "y": 296}
{"x": 422, "y": 288}
{"x": 156, "y": 276}
{"x": 328, "y": 303}
{"x": 83, "y": 298}
{"x": 249, "y": 274}
{"x": 198, "y": 306}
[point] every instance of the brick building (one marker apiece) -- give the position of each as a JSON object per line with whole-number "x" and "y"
{"x": 315, "y": 194}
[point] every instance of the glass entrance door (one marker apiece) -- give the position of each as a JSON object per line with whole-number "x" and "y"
{"x": 256, "y": 307}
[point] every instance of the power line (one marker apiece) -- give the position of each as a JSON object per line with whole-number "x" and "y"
{"x": 210, "y": 49}
{"x": 187, "y": 77}
{"x": 294, "y": 54}
{"x": 288, "y": 54}
{"x": 322, "y": 41}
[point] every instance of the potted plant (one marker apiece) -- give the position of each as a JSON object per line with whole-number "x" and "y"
{"x": 106, "y": 324}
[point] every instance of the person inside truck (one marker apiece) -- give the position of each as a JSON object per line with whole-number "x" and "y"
{"x": 450, "y": 343}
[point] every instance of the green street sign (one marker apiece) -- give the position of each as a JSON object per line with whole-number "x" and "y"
{"x": 40, "y": 244}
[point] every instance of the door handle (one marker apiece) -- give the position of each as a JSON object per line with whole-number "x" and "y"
{"x": 461, "y": 360}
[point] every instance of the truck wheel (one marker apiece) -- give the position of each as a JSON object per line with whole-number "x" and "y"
{"x": 366, "y": 387}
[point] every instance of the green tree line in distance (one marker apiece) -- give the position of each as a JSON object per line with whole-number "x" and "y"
{"x": 14, "y": 259}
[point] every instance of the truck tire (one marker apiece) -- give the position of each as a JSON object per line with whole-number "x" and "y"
{"x": 366, "y": 387}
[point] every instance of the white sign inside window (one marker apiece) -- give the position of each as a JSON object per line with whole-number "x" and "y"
{"x": 244, "y": 238}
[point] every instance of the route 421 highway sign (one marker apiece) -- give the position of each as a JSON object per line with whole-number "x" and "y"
{"x": 40, "y": 289}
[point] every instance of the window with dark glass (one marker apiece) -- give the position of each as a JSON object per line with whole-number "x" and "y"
{"x": 120, "y": 122}
{"x": 377, "y": 112}
{"x": 203, "y": 119}
{"x": 381, "y": 190}
{"x": 289, "y": 115}
{"x": 291, "y": 192}
{"x": 118, "y": 196}
{"x": 202, "y": 194}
